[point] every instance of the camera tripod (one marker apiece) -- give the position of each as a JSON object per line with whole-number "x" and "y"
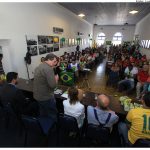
{"x": 85, "y": 82}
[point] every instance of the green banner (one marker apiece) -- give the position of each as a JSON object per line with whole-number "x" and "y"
{"x": 67, "y": 78}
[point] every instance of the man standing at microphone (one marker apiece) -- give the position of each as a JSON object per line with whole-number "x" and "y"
{"x": 45, "y": 82}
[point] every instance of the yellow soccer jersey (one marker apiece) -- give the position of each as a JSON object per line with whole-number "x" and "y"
{"x": 140, "y": 124}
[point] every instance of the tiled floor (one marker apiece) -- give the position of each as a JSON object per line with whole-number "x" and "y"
{"x": 97, "y": 81}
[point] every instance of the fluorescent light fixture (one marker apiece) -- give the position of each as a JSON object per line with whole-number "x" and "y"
{"x": 133, "y": 12}
{"x": 81, "y": 15}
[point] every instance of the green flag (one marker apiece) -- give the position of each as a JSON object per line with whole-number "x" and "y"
{"x": 67, "y": 78}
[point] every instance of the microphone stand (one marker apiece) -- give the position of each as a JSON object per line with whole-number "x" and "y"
{"x": 27, "y": 70}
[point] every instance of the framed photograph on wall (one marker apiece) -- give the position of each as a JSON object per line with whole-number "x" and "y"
{"x": 42, "y": 49}
{"x": 66, "y": 42}
{"x": 42, "y": 39}
{"x": 73, "y": 43}
{"x": 32, "y": 49}
{"x": 31, "y": 40}
{"x": 49, "y": 39}
{"x": 62, "y": 42}
{"x": 50, "y": 48}
{"x": 56, "y": 47}
{"x": 55, "y": 39}
{"x": 82, "y": 42}
{"x": 70, "y": 42}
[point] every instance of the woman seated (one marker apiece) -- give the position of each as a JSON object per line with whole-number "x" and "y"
{"x": 73, "y": 107}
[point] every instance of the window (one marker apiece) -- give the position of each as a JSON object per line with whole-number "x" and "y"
{"x": 117, "y": 38}
{"x": 101, "y": 38}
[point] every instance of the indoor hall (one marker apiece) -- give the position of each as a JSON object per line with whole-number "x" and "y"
{"x": 75, "y": 74}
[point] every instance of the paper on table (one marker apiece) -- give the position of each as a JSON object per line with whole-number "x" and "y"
{"x": 86, "y": 69}
{"x": 58, "y": 91}
{"x": 65, "y": 95}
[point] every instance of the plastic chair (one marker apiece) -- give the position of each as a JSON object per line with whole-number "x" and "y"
{"x": 142, "y": 143}
{"x": 98, "y": 135}
{"x": 69, "y": 132}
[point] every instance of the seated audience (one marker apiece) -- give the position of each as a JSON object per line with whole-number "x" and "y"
{"x": 113, "y": 75}
{"x": 101, "y": 113}
{"x": 73, "y": 107}
{"x": 144, "y": 59}
{"x": 63, "y": 66}
{"x": 137, "y": 123}
{"x": 75, "y": 67}
{"x": 82, "y": 63}
{"x": 128, "y": 83}
{"x": 142, "y": 78}
{"x": 146, "y": 86}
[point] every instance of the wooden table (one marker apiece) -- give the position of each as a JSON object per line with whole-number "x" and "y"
{"x": 89, "y": 99}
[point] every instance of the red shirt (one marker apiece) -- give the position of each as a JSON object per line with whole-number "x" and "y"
{"x": 137, "y": 61}
{"x": 143, "y": 76}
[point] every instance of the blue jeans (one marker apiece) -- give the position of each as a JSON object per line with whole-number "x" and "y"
{"x": 145, "y": 87}
{"x": 123, "y": 132}
{"x": 128, "y": 84}
{"x": 48, "y": 108}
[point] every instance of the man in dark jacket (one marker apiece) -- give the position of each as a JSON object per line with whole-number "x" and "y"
{"x": 10, "y": 95}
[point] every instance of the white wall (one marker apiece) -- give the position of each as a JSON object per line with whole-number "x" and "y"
{"x": 143, "y": 30}
{"x": 20, "y": 19}
{"x": 128, "y": 32}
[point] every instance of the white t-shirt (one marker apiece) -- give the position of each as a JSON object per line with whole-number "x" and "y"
{"x": 133, "y": 72}
{"x": 75, "y": 66}
{"x": 75, "y": 110}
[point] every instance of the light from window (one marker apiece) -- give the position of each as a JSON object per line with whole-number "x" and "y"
{"x": 117, "y": 38}
{"x": 101, "y": 38}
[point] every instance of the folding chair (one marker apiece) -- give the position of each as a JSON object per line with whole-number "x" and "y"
{"x": 69, "y": 133}
{"x": 97, "y": 135}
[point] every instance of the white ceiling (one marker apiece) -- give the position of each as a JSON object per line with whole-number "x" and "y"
{"x": 109, "y": 13}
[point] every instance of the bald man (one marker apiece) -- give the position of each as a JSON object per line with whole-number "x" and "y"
{"x": 101, "y": 114}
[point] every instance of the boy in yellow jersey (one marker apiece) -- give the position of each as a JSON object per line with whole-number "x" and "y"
{"x": 137, "y": 124}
